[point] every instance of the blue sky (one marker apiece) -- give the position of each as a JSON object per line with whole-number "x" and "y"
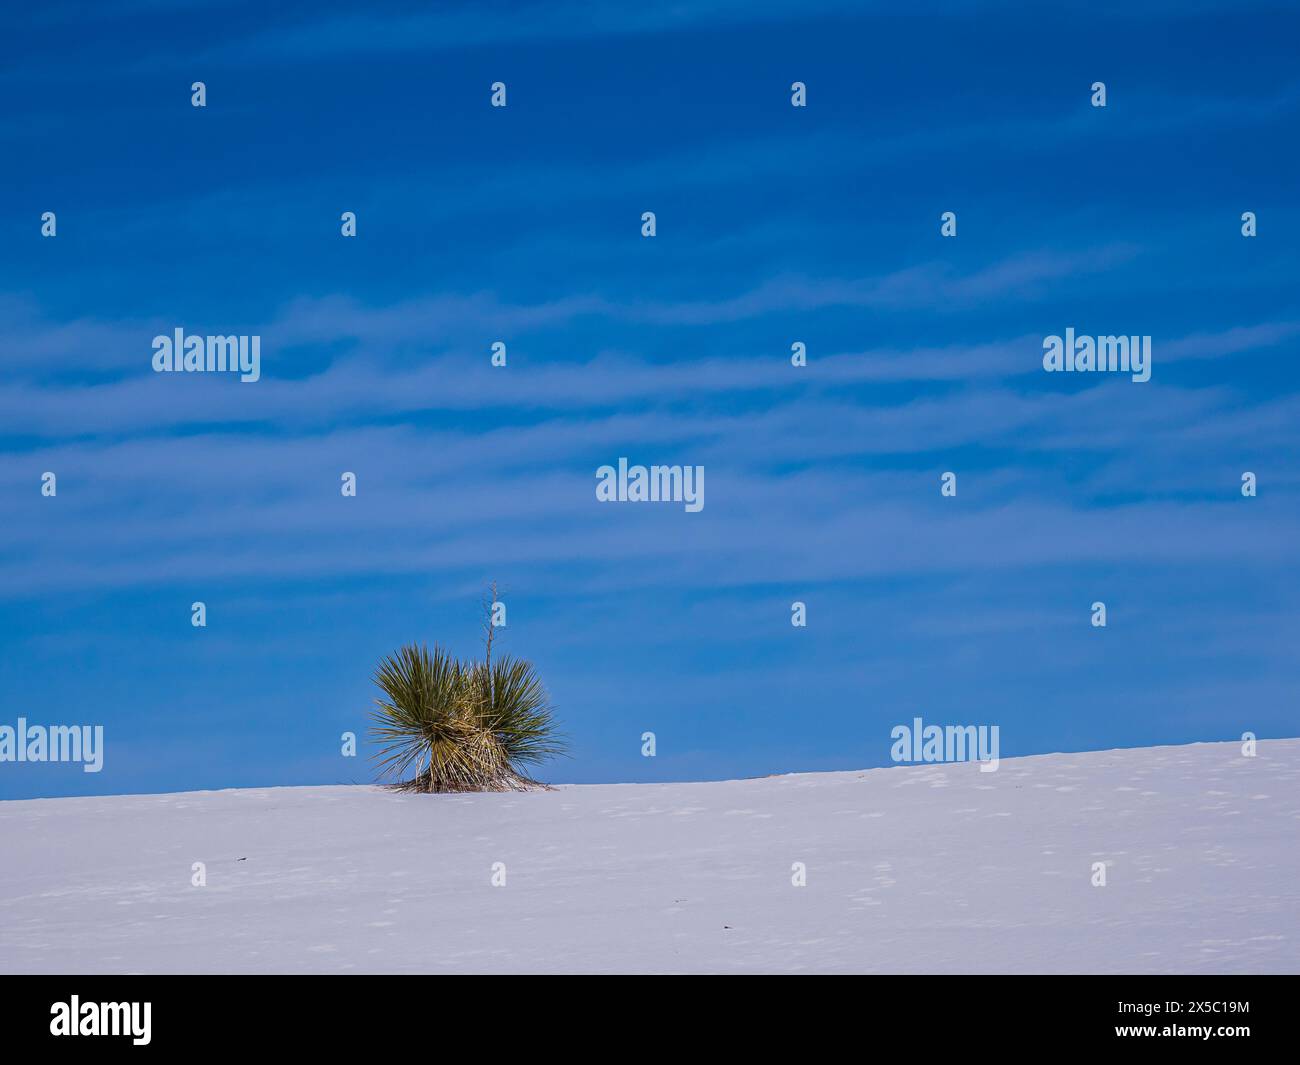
{"x": 522, "y": 224}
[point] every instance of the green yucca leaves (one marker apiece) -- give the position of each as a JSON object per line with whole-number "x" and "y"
{"x": 515, "y": 710}
{"x": 445, "y": 725}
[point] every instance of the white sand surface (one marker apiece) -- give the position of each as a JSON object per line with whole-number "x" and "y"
{"x": 910, "y": 869}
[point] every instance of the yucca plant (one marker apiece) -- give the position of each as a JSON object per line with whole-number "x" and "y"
{"x": 446, "y": 725}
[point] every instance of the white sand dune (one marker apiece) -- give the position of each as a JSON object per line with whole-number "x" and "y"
{"x": 910, "y": 869}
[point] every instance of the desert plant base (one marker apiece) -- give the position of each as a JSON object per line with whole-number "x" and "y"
{"x": 510, "y": 782}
